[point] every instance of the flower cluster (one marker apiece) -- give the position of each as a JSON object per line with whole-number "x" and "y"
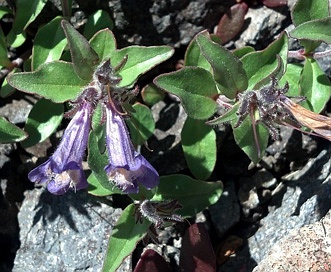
{"x": 127, "y": 169}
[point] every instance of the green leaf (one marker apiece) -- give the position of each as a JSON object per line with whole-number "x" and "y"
{"x": 97, "y": 163}
{"x": 262, "y": 64}
{"x": 124, "y": 239}
{"x": 10, "y": 133}
{"x": 315, "y": 86}
{"x": 151, "y": 94}
{"x": 195, "y": 87}
{"x": 228, "y": 69}
{"x": 6, "y": 89}
{"x": 26, "y": 12}
{"x": 49, "y": 43}
{"x": 242, "y": 51}
{"x": 229, "y": 116}
{"x": 244, "y": 137}
{"x": 307, "y": 10}
{"x": 140, "y": 60}
{"x": 56, "y": 81}
{"x": 97, "y": 21}
{"x": 194, "y": 195}
{"x": 194, "y": 56}
{"x": 15, "y": 40}
{"x": 4, "y": 11}
{"x": 4, "y": 60}
{"x": 141, "y": 124}
{"x": 199, "y": 146}
{"x": 103, "y": 43}
{"x": 292, "y": 76}
{"x": 84, "y": 58}
{"x": 95, "y": 188}
{"x": 317, "y": 30}
{"x": 43, "y": 120}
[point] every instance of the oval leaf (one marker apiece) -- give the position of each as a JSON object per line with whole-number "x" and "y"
{"x": 10, "y": 133}
{"x": 317, "y": 30}
{"x": 262, "y": 64}
{"x": 56, "y": 81}
{"x": 97, "y": 21}
{"x": 140, "y": 60}
{"x": 197, "y": 252}
{"x": 194, "y": 195}
{"x": 103, "y": 43}
{"x": 141, "y": 124}
{"x": 125, "y": 236}
{"x": 227, "y": 68}
{"x": 307, "y": 10}
{"x": 199, "y": 146}
{"x": 26, "y": 12}
{"x": 84, "y": 58}
{"x": 48, "y": 44}
{"x": 194, "y": 56}
{"x": 195, "y": 87}
{"x": 151, "y": 94}
{"x": 232, "y": 22}
{"x": 315, "y": 86}
{"x": 245, "y": 139}
{"x": 151, "y": 261}
{"x": 43, "y": 120}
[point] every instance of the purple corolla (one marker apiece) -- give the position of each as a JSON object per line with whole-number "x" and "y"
{"x": 63, "y": 170}
{"x": 127, "y": 168}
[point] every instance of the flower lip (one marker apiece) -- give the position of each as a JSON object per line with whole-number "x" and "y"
{"x": 127, "y": 168}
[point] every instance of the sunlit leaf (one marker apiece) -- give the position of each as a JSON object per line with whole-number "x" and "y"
{"x": 185, "y": 189}
{"x": 228, "y": 69}
{"x": 103, "y": 43}
{"x": 315, "y": 86}
{"x": 97, "y": 21}
{"x": 140, "y": 60}
{"x": 317, "y": 30}
{"x": 260, "y": 65}
{"x": 124, "y": 238}
{"x": 194, "y": 56}
{"x": 307, "y": 10}
{"x": 26, "y": 12}
{"x": 10, "y": 133}
{"x": 195, "y": 87}
{"x": 56, "y": 81}
{"x": 48, "y": 44}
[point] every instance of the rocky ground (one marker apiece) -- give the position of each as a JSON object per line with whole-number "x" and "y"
{"x": 275, "y": 216}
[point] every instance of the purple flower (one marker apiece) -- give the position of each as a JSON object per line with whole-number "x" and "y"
{"x": 127, "y": 168}
{"x": 63, "y": 170}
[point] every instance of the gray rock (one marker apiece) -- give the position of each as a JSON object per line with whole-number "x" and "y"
{"x": 304, "y": 249}
{"x": 64, "y": 233}
{"x": 303, "y": 197}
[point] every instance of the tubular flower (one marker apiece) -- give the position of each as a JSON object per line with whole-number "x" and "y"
{"x": 63, "y": 170}
{"x": 127, "y": 168}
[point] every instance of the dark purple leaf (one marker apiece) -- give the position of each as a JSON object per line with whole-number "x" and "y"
{"x": 151, "y": 261}
{"x": 232, "y": 22}
{"x": 197, "y": 253}
{"x": 274, "y": 3}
